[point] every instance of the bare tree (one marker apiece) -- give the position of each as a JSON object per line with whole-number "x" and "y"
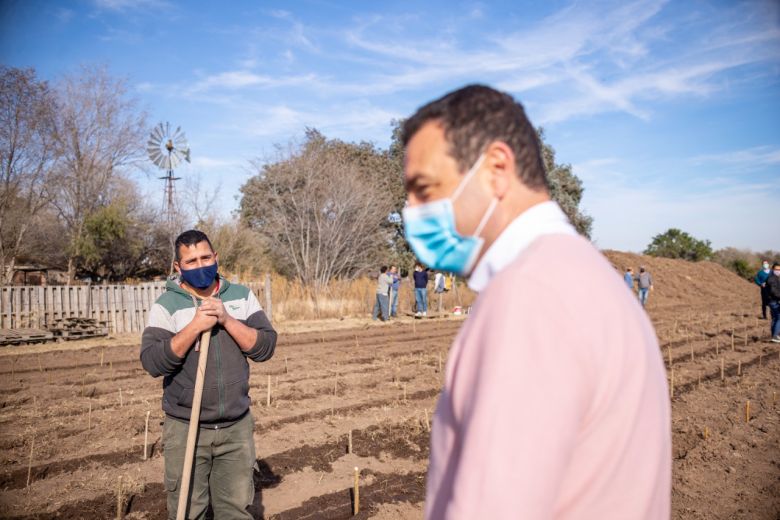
{"x": 99, "y": 131}
{"x": 321, "y": 212}
{"x": 27, "y": 155}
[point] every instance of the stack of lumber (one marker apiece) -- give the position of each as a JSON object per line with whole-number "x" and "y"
{"x": 77, "y": 328}
{"x": 23, "y": 336}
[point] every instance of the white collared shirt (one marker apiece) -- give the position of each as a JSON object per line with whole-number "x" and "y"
{"x": 546, "y": 218}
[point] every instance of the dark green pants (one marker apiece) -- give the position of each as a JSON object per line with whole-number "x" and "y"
{"x": 223, "y": 465}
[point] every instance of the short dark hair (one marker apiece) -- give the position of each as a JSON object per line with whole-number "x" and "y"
{"x": 775, "y": 266}
{"x": 475, "y": 116}
{"x": 190, "y": 238}
{"x": 383, "y": 269}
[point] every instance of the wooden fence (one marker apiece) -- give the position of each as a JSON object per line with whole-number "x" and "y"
{"x": 124, "y": 308}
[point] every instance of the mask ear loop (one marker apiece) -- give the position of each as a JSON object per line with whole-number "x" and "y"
{"x": 488, "y": 214}
{"x": 466, "y": 177}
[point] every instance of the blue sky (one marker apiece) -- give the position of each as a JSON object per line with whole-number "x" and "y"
{"x": 668, "y": 111}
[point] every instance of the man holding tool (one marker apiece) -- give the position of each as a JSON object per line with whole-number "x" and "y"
{"x": 196, "y": 302}
{"x": 551, "y": 409}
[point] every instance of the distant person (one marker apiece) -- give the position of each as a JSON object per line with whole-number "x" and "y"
{"x": 540, "y": 417}
{"x": 396, "y": 285}
{"x": 438, "y": 283}
{"x": 383, "y": 284}
{"x": 645, "y": 285}
{"x": 773, "y": 285}
{"x": 760, "y": 279}
{"x": 629, "y": 278}
{"x": 196, "y": 300}
{"x": 421, "y": 290}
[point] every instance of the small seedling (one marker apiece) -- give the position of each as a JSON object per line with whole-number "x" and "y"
{"x": 747, "y": 411}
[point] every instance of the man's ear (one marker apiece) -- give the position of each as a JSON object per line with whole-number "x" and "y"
{"x": 500, "y": 159}
{"x": 176, "y": 266}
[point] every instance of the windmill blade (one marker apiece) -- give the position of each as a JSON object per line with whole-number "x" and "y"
{"x": 167, "y": 129}
{"x": 187, "y": 155}
{"x": 157, "y": 133}
{"x": 174, "y": 161}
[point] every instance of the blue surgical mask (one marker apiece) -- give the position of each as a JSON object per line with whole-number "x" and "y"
{"x": 200, "y": 277}
{"x": 430, "y": 230}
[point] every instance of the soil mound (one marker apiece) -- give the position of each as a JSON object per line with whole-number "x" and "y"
{"x": 680, "y": 282}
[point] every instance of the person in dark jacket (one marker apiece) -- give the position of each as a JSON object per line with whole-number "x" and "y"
{"x": 198, "y": 300}
{"x": 760, "y": 279}
{"x": 773, "y": 290}
{"x": 421, "y": 290}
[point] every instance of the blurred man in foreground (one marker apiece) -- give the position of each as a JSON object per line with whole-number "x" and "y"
{"x": 555, "y": 402}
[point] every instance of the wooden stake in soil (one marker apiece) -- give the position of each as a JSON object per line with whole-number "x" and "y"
{"x": 349, "y": 442}
{"x": 268, "y": 392}
{"x": 669, "y": 354}
{"x": 29, "y": 464}
{"x": 671, "y": 383}
{"x": 691, "y": 351}
{"x": 706, "y": 433}
{"x": 427, "y": 421}
{"x": 356, "y": 492}
{"x": 732, "y": 340}
{"x": 739, "y": 367}
{"x": 717, "y": 348}
{"x": 286, "y": 371}
{"x": 119, "y": 499}
{"x": 747, "y": 411}
{"x": 121, "y": 401}
{"x": 146, "y": 435}
{"x": 102, "y": 352}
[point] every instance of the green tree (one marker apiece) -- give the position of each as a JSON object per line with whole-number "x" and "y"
{"x": 675, "y": 243}
{"x": 565, "y": 188}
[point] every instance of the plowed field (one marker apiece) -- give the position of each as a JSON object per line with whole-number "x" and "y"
{"x": 72, "y": 419}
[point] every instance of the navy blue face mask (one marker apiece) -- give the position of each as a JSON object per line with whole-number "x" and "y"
{"x": 200, "y": 277}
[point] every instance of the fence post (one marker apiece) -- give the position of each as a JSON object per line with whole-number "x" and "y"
{"x": 267, "y": 292}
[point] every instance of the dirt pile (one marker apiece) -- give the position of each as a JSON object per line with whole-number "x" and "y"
{"x": 683, "y": 283}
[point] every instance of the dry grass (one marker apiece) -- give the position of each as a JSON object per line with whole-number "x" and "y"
{"x": 349, "y": 299}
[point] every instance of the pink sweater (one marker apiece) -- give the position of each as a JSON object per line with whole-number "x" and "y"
{"x": 555, "y": 402}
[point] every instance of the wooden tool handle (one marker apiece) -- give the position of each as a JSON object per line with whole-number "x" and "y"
{"x": 192, "y": 434}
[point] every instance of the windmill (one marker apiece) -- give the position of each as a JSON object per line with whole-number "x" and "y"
{"x": 167, "y": 150}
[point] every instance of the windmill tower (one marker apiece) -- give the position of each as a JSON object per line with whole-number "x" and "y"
{"x": 167, "y": 150}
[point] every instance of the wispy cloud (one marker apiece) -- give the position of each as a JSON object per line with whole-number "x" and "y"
{"x": 748, "y": 158}
{"x": 238, "y": 79}
{"x": 124, "y": 5}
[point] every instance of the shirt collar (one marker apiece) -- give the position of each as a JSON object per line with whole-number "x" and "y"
{"x": 546, "y": 218}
